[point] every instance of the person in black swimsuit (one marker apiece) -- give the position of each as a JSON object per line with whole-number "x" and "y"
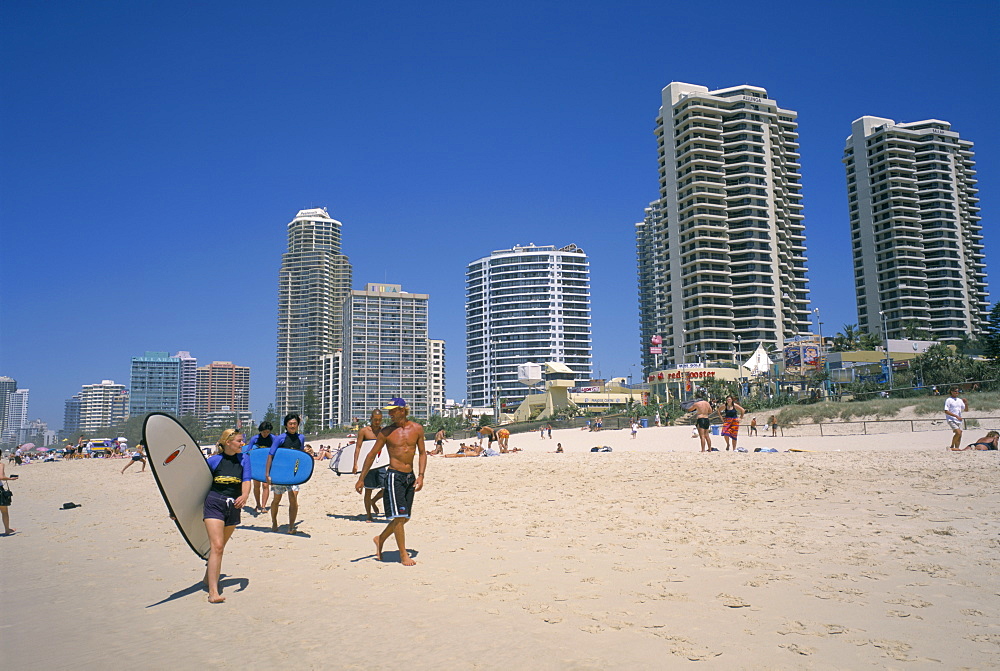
{"x": 229, "y": 492}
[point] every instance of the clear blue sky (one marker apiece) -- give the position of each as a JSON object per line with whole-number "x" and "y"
{"x": 152, "y": 153}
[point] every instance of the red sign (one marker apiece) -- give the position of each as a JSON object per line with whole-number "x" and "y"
{"x": 656, "y": 350}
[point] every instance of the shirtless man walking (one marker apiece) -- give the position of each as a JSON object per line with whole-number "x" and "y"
{"x": 703, "y": 410}
{"x": 404, "y": 438}
{"x": 376, "y": 479}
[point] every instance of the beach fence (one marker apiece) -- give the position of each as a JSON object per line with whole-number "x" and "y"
{"x": 872, "y": 427}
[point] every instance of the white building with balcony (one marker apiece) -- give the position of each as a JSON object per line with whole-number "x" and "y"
{"x": 528, "y": 303}
{"x": 919, "y": 261}
{"x": 721, "y": 253}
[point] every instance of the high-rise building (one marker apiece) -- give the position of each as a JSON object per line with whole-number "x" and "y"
{"x": 525, "y": 304}
{"x": 436, "y": 376}
{"x": 103, "y": 405}
{"x": 329, "y": 394}
{"x": 188, "y": 383}
{"x": 155, "y": 384}
{"x": 721, "y": 253}
{"x": 71, "y": 417}
{"x": 222, "y": 387}
{"x": 919, "y": 264}
{"x": 17, "y": 415}
{"x": 385, "y": 351}
{"x": 8, "y": 386}
{"x": 313, "y": 283}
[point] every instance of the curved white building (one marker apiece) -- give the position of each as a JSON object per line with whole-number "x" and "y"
{"x": 526, "y": 304}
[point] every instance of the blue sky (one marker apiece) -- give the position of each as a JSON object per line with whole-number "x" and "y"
{"x": 152, "y": 153}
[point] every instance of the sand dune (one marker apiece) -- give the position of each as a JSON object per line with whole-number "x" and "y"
{"x": 871, "y": 552}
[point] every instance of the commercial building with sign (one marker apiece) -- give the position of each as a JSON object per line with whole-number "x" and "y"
{"x": 917, "y": 241}
{"x": 528, "y": 303}
{"x": 721, "y": 252}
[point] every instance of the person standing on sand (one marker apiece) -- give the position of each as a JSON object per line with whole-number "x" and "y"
{"x": 953, "y": 409}
{"x": 5, "y": 500}
{"x": 376, "y": 478}
{"x": 138, "y": 456}
{"x": 732, "y": 412}
{"x": 439, "y": 439}
{"x": 294, "y": 440}
{"x": 702, "y": 410}
{"x": 228, "y": 494}
{"x": 774, "y": 426}
{"x": 753, "y": 427}
{"x": 403, "y": 439}
{"x": 261, "y": 490}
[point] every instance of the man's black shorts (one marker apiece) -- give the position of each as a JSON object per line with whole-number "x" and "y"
{"x": 702, "y": 423}
{"x": 375, "y": 479}
{"x": 398, "y": 493}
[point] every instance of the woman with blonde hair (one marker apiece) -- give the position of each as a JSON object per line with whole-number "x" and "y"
{"x": 228, "y": 494}
{"x": 988, "y": 442}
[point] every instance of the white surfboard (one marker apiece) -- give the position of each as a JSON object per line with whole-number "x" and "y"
{"x": 344, "y": 461}
{"x": 182, "y": 474}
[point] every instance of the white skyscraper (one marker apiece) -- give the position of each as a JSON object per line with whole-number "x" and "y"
{"x": 721, "y": 253}
{"x": 312, "y": 284}
{"x": 103, "y": 405}
{"x": 919, "y": 264}
{"x": 526, "y": 304}
{"x": 17, "y": 415}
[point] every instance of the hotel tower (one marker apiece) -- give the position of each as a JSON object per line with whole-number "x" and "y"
{"x": 313, "y": 283}
{"x": 919, "y": 264}
{"x": 721, "y": 253}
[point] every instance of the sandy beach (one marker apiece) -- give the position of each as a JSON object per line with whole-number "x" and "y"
{"x": 864, "y": 552}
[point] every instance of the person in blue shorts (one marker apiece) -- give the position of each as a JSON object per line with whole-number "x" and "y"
{"x": 291, "y": 438}
{"x": 403, "y": 438}
{"x": 229, "y": 491}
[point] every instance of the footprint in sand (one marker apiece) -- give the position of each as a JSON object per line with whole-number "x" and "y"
{"x": 730, "y": 601}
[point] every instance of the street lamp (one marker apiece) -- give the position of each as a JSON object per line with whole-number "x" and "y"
{"x": 822, "y": 345}
{"x": 885, "y": 337}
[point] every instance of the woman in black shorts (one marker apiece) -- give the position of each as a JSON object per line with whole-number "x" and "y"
{"x": 228, "y": 494}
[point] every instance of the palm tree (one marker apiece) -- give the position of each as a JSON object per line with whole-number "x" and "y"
{"x": 848, "y": 340}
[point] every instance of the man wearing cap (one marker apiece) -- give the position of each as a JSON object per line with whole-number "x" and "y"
{"x": 403, "y": 439}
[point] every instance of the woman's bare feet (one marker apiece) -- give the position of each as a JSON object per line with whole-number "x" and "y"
{"x": 405, "y": 559}
{"x": 216, "y": 599}
{"x": 378, "y": 547}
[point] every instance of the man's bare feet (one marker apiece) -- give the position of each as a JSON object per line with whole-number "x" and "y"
{"x": 274, "y": 526}
{"x": 378, "y": 547}
{"x": 405, "y": 559}
{"x": 216, "y": 599}
{"x": 293, "y": 529}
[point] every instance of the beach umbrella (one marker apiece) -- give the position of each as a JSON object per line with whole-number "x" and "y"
{"x": 41, "y": 449}
{"x": 28, "y": 446}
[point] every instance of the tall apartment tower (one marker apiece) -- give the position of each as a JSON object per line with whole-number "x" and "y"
{"x": 222, "y": 386}
{"x": 8, "y": 386}
{"x": 915, "y": 233}
{"x": 103, "y": 405}
{"x": 17, "y": 415}
{"x": 313, "y": 283}
{"x": 721, "y": 253}
{"x": 525, "y": 304}
{"x": 436, "y": 376}
{"x": 71, "y": 417}
{"x": 155, "y": 382}
{"x": 188, "y": 383}
{"x": 385, "y": 351}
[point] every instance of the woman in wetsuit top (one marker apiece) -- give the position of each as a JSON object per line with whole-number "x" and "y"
{"x": 228, "y": 494}
{"x": 262, "y": 439}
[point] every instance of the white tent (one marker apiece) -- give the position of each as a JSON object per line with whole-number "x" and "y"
{"x": 758, "y": 362}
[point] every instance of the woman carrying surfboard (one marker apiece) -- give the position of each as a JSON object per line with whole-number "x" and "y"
{"x": 292, "y": 439}
{"x": 229, "y": 492}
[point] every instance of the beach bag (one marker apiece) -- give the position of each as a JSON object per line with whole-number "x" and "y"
{"x": 6, "y": 496}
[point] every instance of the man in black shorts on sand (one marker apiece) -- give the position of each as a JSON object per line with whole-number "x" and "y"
{"x": 403, "y": 438}
{"x": 702, "y": 410}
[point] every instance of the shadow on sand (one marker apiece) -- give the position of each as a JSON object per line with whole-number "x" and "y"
{"x": 224, "y": 582}
{"x": 388, "y": 556}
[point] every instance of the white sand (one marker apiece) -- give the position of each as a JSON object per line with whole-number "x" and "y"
{"x": 873, "y": 552}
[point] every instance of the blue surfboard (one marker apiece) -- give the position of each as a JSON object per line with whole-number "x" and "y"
{"x": 289, "y": 467}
